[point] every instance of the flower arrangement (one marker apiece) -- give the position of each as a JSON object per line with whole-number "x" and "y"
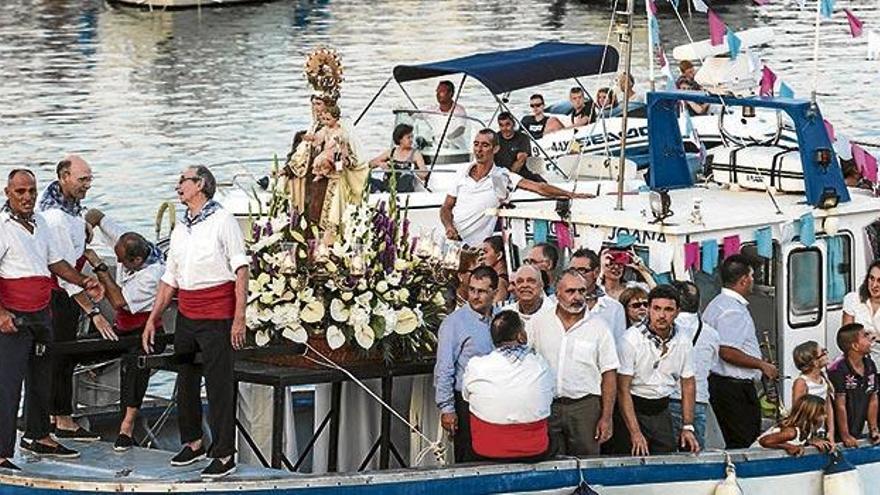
{"x": 374, "y": 288}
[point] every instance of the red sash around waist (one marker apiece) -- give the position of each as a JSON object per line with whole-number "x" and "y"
{"x": 80, "y": 263}
{"x": 509, "y": 441}
{"x": 127, "y": 322}
{"x": 213, "y": 303}
{"x": 26, "y": 294}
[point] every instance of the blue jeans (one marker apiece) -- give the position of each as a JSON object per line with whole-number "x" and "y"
{"x": 699, "y": 420}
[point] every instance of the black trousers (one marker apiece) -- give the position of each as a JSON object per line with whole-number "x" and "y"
{"x": 464, "y": 449}
{"x": 133, "y": 380}
{"x": 17, "y": 363}
{"x": 211, "y": 337}
{"x": 655, "y": 423}
{"x": 735, "y": 403}
{"x": 65, "y": 322}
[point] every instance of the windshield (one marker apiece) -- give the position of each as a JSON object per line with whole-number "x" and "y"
{"x": 428, "y": 128}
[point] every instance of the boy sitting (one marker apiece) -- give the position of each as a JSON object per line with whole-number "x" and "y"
{"x": 854, "y": 377}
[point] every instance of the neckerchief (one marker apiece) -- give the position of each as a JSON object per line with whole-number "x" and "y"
{"x": 209, "y": 209}
{"x": 659, "y": 342}
{"x": 29, "y": 220}
{"x": 597, "y": 294}
{"x": 54, "y": 198}
{"x": 515, "y": 352}
{"x": 155, "y": 255}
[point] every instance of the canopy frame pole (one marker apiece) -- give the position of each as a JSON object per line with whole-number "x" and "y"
{"x": 370, "y": 104}
{"x": 405, "y": 93}
{"x": 651, "y": 73}
{"x": 627, "y": 37}
{"x": 445, "y": 129}
{"x": 533, "y": 140}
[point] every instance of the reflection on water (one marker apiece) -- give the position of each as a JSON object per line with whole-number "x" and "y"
{"x": 143, "y": 94}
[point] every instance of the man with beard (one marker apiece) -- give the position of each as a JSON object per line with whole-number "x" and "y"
{"x": 463, "y": 335}
{"x": 28, "y": 259}
{"x": 60, "y": 205}
{"x": 580, "y": 348}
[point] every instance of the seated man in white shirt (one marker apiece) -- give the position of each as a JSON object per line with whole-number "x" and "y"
{"x": 654, "y": 355}
{"x": 483, "y": 186}
{"x": 509, "y": 392}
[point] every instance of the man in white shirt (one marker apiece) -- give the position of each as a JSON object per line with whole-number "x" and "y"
{"x": 207, "y": 267}
{"x": 60, "y": 205}
{"x": 483, "y": 186}
{"x": 509, "y": 392}
{"x": 586, "y": 262}
{"x": 131, "y": 293}
{"x": 731, "y": 381}
{"x": 28, "y": 259}
{"x": 580, "y": 349}
{"x": 706, "y": 342}
{"x": 654, "y": 357}
{"x": 545, "y": 257}
{"x": 446, "y": 100}
{"x": 530, "y": 299}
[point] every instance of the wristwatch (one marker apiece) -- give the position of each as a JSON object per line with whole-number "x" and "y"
{"x": 95, "y": 311}
{"x": 689, "y": 428}
{"x": 102, "y": 267}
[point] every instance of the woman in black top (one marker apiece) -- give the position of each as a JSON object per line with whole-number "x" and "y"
{"x": 403, "y": 158}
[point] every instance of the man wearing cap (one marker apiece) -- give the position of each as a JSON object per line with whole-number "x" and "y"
{"x": 28, "y": 259}
{"x": 208, "y": 269}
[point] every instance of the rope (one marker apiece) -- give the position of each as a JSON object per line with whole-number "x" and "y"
{"x": 434, "y": 446}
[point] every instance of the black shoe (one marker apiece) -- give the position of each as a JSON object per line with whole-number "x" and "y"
{"x": 218, "y": 469}
{"x": 43, "y": 450}
{"x": 80, "y": 435}
{"x": 123, "y": 443}
{"x": 7, "y": 464}
{"x": 188, "y": 456}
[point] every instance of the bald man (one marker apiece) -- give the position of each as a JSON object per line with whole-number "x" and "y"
{"x": 28, "y": 260}
{"x": 528, "y": 287}
{"x": 60, "y": 205}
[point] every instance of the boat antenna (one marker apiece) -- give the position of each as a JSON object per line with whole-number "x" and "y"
{"x": 816, "y": 53}
{"x": 625, "y": 37}
{"x": 651, "y": 74}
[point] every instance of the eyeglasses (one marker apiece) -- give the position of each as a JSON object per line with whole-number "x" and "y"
{"x": 184, "y": 179}
{"x": 638, "y": 304}
{"x": 584, "y": 271}
{"x": 530, "y": 261}
{"x": 478, "y": 291}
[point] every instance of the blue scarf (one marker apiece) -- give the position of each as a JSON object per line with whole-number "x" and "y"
{"x": 54, "y": 198}
{"x": 515, "y": 352}
{"x": 155, "y": 255}
{"x": 209, "y": 209}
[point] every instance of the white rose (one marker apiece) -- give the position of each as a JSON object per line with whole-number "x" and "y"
{"x": 393, "y": 279}
{"x": 403, "y": 295}
{"x": 400, "y": 265}
{"x": 439, "y": 299}
{"x": 381, "y": 287}
{"x": 335, "y": 337}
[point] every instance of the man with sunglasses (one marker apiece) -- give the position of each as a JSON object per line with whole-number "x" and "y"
{"x": 131, "y": 293}
{"x": 60, "y": 205}
{"x": 655, "y": 356}
{"x": 580, "y": 348}
{"x": 538, "y": 124}
{"x": 586, "y": 262}
{"x": 462, "y": 335}
{"x": 207, "y": 268}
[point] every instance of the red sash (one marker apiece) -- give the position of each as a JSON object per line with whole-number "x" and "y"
{"x": 26, "y": 294}
{"x": 213, "y": 303}
{"x": 509, "y": 441}
{"x": 127, "y": 322}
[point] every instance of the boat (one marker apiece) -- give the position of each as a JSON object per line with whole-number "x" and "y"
{"x": 182, "y": 4}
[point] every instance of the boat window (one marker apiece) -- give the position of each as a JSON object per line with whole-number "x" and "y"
{"x": 805, "y": 290}
{"x": 840, "y": 277}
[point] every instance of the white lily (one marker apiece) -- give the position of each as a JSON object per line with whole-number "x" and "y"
{"x": 335, "y": 337}
{"x": 262, "y": 338}
{"x": 296, "y": 333}
{"x": 407, "y": 321}
{"x": 338, "y": 311}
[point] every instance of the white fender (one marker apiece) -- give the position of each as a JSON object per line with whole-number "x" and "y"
{"x": 841, "y": 477}
{"x": 729, "y": 486}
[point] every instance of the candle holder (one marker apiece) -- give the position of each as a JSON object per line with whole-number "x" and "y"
{"x": 357, "y": 261}
{"x": 288, "y": 261}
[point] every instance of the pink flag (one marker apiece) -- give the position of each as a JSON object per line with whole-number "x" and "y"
{"x": 768, "y": 79}
{"x": 652, "y": 7}
{"x": 661, "y": 57}
{"x": 830, "y": 129}
{"x": 855, "y": 24}
{"x": 761, "y": 2}
{"x": 716, "y": 29}
{"x": 563, "y": 235}
{"x": 866, "y": 162}
{"x": 692, "y": 256}
{"x": 731, "y": 245}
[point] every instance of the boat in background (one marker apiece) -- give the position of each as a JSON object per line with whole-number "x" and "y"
{"x": 182, "y": 4}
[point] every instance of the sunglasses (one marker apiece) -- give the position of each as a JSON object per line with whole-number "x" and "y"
{"x": 536, "y": 105}
{"x": 638, "y": 304}
{"x": 184, "y": 179}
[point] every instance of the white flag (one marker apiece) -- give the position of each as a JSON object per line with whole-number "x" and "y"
{"x": 700, "y": 6}
{"x": 842, "y": 147}
{"x": 873, "y": 45}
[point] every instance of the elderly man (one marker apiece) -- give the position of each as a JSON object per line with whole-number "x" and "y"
{"x": 208, "y": 269}
{"x": 731, "y": 381}
{"x": 132, "y": 294}
{"x": 654, "y": 357}
{"x": 580, "y": 348}
{"x": 586, "y": 262}
{"x": 60, "y": 204}
{"x": 545, "y": 257}
{"x": 28, "y": 259}
{"x": 530, "y": 300}
{"x": 484, "y": 186}
{"x": 463, "y": 335}
{"x": 509, "y": 392}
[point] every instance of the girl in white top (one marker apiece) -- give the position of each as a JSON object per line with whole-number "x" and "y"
{"x": 798, "y": 429}
{"x": 811, "y": 359}
{"x": 863, "y": 307}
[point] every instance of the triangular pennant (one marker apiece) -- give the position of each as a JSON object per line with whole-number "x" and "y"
{"x": 733, "y": 43}
{"x": 830, "y": 130}
{"x": 866, "y": 162}
{"x": 652, "y": 7}
{"x": 826, "y": 8}
{"x": 855, "y": 24}
{"x": 785, "y": 91}
{"x": 716, "y": 29}
{"x": 563, "y": 235}
{"x": 655, "y": 30}
{"x": 691, "y": 256}
{"x": 731, "y": 246}
{"x": 700, "y": 6}
{"x": 768, "y": 79}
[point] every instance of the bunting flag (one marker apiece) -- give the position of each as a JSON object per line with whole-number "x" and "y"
{"x": 716, "y": 29}
{"x": 760, "y": 2}
{"x": 731, "y": 245}
{"x": 563, "y": 235}
{"x": 733, "y": 43}
{"x": 709, "y": 255}
{"x": 855, "y": 24}
{"x": 700, "y": 6}
{"x": 692, "y": 256}
{"x": 866, "y": 162}
{"x": 843, "y": 148}
{"x": 808, "y": 229}
{"x": 827, "y": 8}
{"x": 655, "y": 31}
{"x": 830, "y": 130}
{"x": 661, "y": 57}
{"x": 768, "y": 80}
{"x": 652, "y": 7}
{"x": 764, "y": 242}
{"x": 540, "y": 231}
{"x": 785, "y": 91}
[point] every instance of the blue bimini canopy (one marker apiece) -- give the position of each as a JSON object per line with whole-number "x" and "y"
{"x": 509, "y": 70}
